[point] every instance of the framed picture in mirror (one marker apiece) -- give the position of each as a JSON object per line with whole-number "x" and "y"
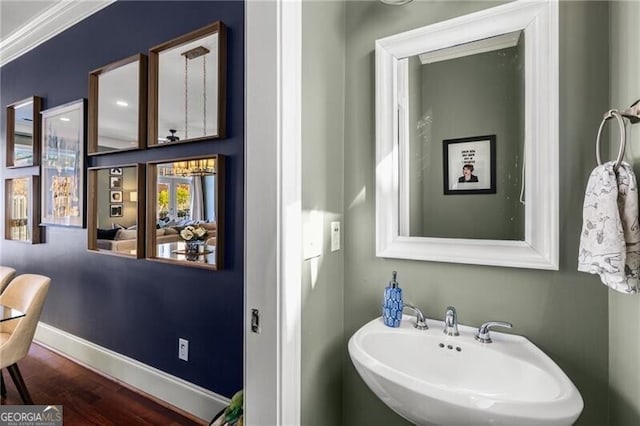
{"x": 23, "y": 133}
{"x": 116, "y": 219}
{"x": 63, "y": 140}
{"x": 187, "y": 87}
{"x": 469, "y": 165}
{"x": 22, "y": 209}
{"x": 118, "y": 106}
{"x": 186, "y": 208}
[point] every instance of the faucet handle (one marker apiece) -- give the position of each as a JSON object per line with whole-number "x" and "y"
{"x": 483, "y": 336}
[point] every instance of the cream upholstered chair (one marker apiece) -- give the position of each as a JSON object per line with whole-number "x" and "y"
{"x": 27, "y": 293}
{"x": 6, "y": 275}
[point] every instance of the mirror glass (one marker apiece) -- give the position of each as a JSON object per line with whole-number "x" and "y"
{"x": 21, "y": 211}
{"x": 115, "y": 217}
{"x": 117, "y": 106}
{"x": 188, "y": 87}
{"x": 186, "y": 212}
{"x": 460, "y": 101}
{"x": 23, "y": 133}
{"x": 467, "y": 139}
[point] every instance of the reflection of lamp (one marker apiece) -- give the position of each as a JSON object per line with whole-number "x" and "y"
{"x": 201, "y": 167}
{"x": 196, "y": 52}
{"x": 133, "y": 196}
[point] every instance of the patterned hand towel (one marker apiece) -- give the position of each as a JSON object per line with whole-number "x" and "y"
{"x": 610, "y": 238}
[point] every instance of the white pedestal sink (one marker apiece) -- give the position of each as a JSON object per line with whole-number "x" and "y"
{"x": 433, "y": 379}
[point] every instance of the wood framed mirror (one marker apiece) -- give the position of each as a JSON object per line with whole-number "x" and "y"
{"x": 22, "y": 209}
{"x": 23, "y": 132}
{"x": 116, "y": 219}
{"x": 185, "y": 207}
{"x": 118, "y": 106}
{"x": 187, "y": 87}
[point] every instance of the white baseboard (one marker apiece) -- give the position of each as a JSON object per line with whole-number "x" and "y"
{"x": 174, "y": 391}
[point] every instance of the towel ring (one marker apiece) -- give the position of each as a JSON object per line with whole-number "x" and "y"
{"x": 612, "y": 113}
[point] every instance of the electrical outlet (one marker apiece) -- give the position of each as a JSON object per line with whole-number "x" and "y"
{"x": 183, "y": 349}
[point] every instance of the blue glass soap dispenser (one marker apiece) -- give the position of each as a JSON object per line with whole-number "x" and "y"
{"x": 392, "y": 304}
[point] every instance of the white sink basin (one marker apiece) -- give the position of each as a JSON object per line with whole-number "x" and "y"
{"x": 507, "y": 382}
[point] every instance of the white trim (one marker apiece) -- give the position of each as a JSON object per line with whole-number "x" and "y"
{"x": 273, "y": 211}
{"x": 54, "y": 20}
{"x": 540, "y": 248}
{"x": 490, "y": 44}
{"x": 177, "y": 392}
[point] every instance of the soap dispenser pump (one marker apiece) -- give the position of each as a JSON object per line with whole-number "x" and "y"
{"x": 392, "y": 303}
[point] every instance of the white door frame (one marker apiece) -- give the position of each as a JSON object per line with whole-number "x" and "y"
{"x": 273, "y": 211}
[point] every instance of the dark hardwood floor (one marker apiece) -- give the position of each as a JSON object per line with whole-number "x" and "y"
{"x": 87, "y": 397}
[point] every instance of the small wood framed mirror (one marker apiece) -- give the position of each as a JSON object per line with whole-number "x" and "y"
{"x": 115, "y": 220}
{"x": 118, "y": 106}
{"x": 185, "y": 207}
{"x": 23, "y": 132}
{"x": 187, "y": 87}
{"x": 22, "y": 209}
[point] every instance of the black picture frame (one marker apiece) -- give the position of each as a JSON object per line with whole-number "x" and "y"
{"x": 476, "y": 155}
{"x": 115, "y": 210}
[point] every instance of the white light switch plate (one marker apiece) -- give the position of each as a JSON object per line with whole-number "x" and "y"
{"x": 335, "y": 236}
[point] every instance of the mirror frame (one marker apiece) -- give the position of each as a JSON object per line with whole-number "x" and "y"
{"x": 92, "y": 210}
{"x": 216, "y": 27}
{"x": 37, "y": 129}
{"x": 540, "y": 248}
{"x": 93, "y": 113}
{"x": 152, "y": 169}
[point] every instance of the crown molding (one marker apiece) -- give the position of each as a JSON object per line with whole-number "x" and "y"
{"x": 46, "y": 25}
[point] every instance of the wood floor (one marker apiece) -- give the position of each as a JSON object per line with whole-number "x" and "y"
{"x": 87, "y": 397}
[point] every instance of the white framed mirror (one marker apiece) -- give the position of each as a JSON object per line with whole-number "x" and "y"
{"x": 467, "y": 139}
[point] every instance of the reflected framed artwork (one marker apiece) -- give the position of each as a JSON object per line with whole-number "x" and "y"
{"x": 469, "y": 165}
{"x": 63, "y": 141}
{"x": 116, "y": 210}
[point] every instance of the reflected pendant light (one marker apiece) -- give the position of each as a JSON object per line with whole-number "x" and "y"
{"x": 190, "y": 54}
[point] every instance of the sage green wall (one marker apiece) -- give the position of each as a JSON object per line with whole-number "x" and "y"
{"x": 564, "y": 312}
{"x": 464, "y": 97}
{"x": 323, "y": 85}
{"x": 624, "y": 310}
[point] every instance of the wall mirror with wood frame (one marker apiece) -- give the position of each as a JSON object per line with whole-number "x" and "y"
{"x": 116, "y": 210}
{"x": 185, "y": 207}
{"x": 187, "y": 90}
{"x": 22, "y": 209}
{"x": 118, "y": 106}
{"x": 23, "y": 132}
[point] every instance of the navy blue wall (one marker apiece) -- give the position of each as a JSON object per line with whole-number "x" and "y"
{"x": 139, "y": 308}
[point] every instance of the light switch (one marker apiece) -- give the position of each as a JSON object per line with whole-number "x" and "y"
{"x": 335, "y": 236}
{"x": 312, "y": 235}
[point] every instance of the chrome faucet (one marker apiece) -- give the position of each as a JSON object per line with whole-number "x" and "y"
{"x": 451, "y": 322}
{"x": 420, "y": 323}
{"x": 483, "y": 336}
